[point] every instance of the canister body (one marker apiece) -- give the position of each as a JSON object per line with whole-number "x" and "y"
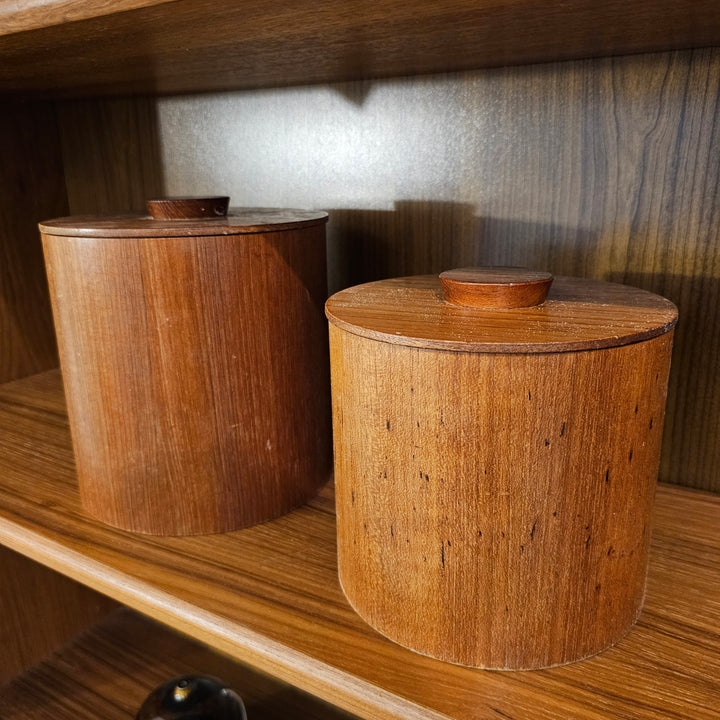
{"x": 195, "y": 374}
{"x": 494, "y": 509}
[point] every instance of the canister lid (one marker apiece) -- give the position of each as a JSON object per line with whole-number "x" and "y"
{"x": 185, "y": 217}
{"x": 577, "y": 314}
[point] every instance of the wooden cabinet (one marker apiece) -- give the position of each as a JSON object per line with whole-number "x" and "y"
{"x": 263, "y": 607}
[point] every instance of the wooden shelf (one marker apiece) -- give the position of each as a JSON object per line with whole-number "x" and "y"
{"x": 108, "y": 671}
{"x": 95, "y": 47}
{"x": 269, "y": 597}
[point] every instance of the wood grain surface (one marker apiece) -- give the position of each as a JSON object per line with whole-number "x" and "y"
{"x": 109, "y": 670}
{"x": 578, "y": 315}
{"x": 193, "y": 45}
{"x": 196, "y": 372}
{"x": 240, "y": 221}
{"x": 21, "y": 17}
{"x": 269, "y": 596}
{"x": 494, "y": 510}
{"x": 186, "y": 207}
{"x": 605, "y": 169}
{"x": 495, "y": 287}
{"x": 40, "y": 610}
{"x": 111, "y": 155}
{"x": 31, "y": 185}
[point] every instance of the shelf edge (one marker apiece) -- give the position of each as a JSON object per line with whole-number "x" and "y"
{"x": 240, "y": 643}
{"x": 20, "y": 17}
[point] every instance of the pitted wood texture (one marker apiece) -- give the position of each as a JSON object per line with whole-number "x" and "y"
{"x": 493, "y": 510}
{"x": 579, "y": 314}
{"x": 196, "y": 374}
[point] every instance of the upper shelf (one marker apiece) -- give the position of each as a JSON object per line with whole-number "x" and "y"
{"x": 269, "y": 596}
{"x": 94, "y": 47}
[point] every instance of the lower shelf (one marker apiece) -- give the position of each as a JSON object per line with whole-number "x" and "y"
{"x": 269, "y": 597}
{"x": 108, "y": 671}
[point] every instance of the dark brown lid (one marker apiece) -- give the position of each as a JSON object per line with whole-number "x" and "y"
{"x": 578, "y": 314}
{"x": 173, "y": 221}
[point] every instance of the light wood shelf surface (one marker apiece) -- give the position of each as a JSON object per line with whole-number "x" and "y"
{"x": 95, "y": 47}
{"x": 269, "y": 597}
{"x": 109, "y": 670}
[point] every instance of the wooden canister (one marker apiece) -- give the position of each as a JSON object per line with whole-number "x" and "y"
{"x": 496, "y": 460}
{"x": 193, "y": 352}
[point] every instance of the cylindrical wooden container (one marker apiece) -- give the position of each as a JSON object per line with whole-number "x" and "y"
{"x": 495, "y": 464}
{"x": 193, "y": 354}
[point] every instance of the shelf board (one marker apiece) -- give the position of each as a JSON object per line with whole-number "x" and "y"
{"x": 89, "y": 47}
{"x": 108, "y": 670}
{"x": 269, "y": 597}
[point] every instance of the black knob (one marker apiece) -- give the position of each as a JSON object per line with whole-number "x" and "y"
{"x": 192, "y": 698}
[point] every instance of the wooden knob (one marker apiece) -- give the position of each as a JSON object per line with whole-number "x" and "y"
{"x": 495, "y": 287}
{"x": 188, "y": 208}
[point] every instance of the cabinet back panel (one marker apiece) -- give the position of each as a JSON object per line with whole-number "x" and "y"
{"x": 31, "y": 186}
{"x": 111, "y": 154}
{"x": 604, "y": 168}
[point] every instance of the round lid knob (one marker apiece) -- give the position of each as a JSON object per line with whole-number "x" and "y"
{"x": 495, "y": 287}
{"x": 188, "y": 208}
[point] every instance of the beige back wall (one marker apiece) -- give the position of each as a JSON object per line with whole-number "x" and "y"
{"x": 604, "y": 168}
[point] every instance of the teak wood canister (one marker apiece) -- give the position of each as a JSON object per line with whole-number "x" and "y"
{"x": 193, "y": 349}
{"x": 496, "y": 456}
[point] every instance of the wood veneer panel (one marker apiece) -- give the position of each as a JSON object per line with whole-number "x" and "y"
{"x": 196, "y": 45}
{"x": 108, "y": 671}
{"x": 111, "y": 155}
{"x": 269, "y": 596}
{"x": 31, "y": 186}
{"x": 612, "y": 171}
{"x": 39, "y": 611}
{"x": 606, "y": 169}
